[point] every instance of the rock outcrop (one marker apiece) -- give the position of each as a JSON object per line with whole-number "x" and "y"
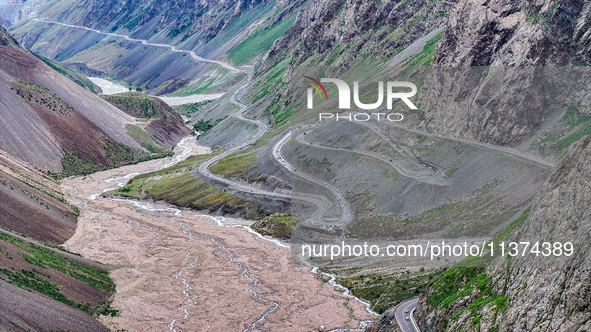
{"x": 512, "y": 33}
{"x": 356, "y": 29}
{"x": 539, "y": 293}
{"x": 509, "y": 33}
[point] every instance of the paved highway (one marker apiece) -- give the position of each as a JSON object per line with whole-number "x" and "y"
{"x": 404, "y": 316}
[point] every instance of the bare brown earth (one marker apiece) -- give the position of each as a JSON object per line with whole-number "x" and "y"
{"x": 22, "y": 310}
{"x": 34, "y": 133}
{"x": 156, "y": 261}
{"x": 31, "y": 204}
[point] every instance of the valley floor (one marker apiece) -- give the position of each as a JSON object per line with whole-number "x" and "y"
{"x": 188, "y": 272}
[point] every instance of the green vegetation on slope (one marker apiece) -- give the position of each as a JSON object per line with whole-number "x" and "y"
{"x": 469, "y": 278}
{"x": 177, "y": 186}
{"x": 141, "y": 136}
{"x": 573, "y": 126}
{"x": 215, "y": 80}
{"x": 426, "y": 56}
{"x": 188, "y": 109}
{"x": 204, "y": 126}
{"x": 69, "y": 73}
{"x": 278, "y": 225}
{"x": 40, "y": 95}
{"x": 579, "y": 125}
{"x": 260, "y": 41}
{"x": 385, "y": 291}
{"x": 459, "y": 282}
{"x": 45, "y": 260}
{"x": 235, "y": 164}
{"x": 117, "y": 155}
{"x": 74, "y": 165}
{"x": 137, "y": 104}
{"x": 239, "y": 23}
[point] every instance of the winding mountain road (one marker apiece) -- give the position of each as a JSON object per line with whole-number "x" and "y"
{"x": 514, "y": 152}
{"x": 426, "y": 172}
{"x": 255, "y": 286}
{"x": 404, "y": 316}
{"x": 404, "y": 310}
{"x": 346, "y": 212}
{"x": 322, "y": 204}
{"x": 144, "y": 42}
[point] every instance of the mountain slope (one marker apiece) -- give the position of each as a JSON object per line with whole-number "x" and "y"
{"x": 47, "y": 116}
{"x": 22, "y": 310}
{"x": 517, "y": 33}
{"x": 537, "y": 293}
{"x": 514, "y": 33}
{"x": 31, "y": 203}
{"x": 165, "y": 126}
{"x": 209, "y": 28}
{"x": 43, "y": 287}
{"x": 524, "y": 293}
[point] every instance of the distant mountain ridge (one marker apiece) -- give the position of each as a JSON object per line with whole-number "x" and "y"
{"x": 7, "y": 40}
{"x": 51, "y": 122}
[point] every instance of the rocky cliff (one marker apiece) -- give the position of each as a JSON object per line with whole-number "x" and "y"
{"x": 7, "y": 40}
{"x": 528, "y": 293}
{"x": 522, "y": 293}
{"x": 508, "y": 33}
{"x": 341, "y": 33}
{"x": 511, "y": 33}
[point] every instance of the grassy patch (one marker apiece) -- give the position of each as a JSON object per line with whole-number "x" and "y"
{"x": 234, "y": 164}
{"x": 44, "y": 259}
{"x": 386, "y": 291}
{"x": 141, "y": 136}
{"x": 426, "y": 56}
{"x": 460, "y": 282}
{"x": 30, "y": 85}
{"x": 74, "y": 165}
{"x": 278, "y": 225}
{"x": 270, "y": 81}
{"x": 471, "y": 280}
{"x": 188, "y": 109}
{"x": 177, "y": 186}
{"x": 574, "y": 119}
{"x": 260, "y": 41}
{"x": 117, "y": 155}
{"x": 504, "y": 234}
{"x": 137, "y": 104}
{"x": 40, "y": 95}
{"x": 213, "y": 80}
{"x": 204, "y": 126}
